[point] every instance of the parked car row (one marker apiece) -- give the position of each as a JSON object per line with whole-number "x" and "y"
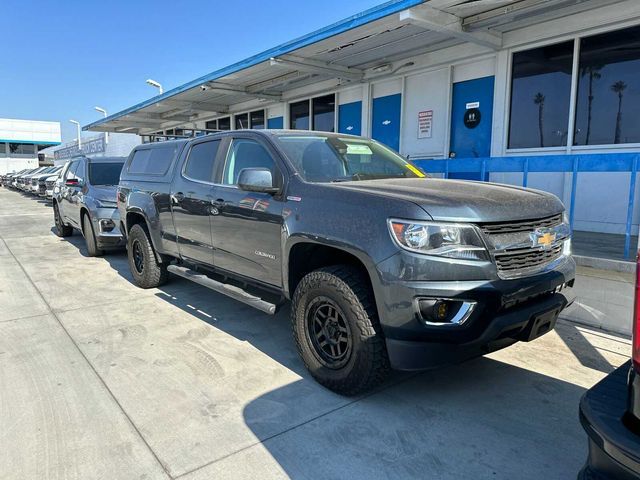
{"x": 36, "y": 181}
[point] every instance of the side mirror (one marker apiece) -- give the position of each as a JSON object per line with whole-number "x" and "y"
{"x": 256, "y": 180}
{"x": 71, "y": 182}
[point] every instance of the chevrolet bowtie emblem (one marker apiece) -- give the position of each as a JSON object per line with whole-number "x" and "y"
{"x": 543, "y": 238}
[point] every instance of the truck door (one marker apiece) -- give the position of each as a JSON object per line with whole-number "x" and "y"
{"x": 191, "y": 202}
{"x": 471, "y": 118}
{"x": 247, "y": 226}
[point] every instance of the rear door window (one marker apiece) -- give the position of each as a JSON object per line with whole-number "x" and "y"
{"x": 152, "y": 161}
{"x": 201, "y": 160}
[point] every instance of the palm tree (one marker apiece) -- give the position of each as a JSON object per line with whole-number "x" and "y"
{"x": 539, "y": 100}
{"x": 594, "y": 74}
{"x": 619, "y": 87}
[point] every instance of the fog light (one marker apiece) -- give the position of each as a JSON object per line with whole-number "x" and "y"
{"x": 442, "y": 311}
{"x": 107, "y": 225}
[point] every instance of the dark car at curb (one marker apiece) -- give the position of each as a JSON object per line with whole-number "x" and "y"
{"x": 610, "y": 415}
{"x": 384, "y": 268}
{"x": 86, "y": 201}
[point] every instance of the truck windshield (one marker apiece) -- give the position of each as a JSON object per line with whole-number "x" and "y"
{"x": 105, "y": 173}
{"x": 331, "y": 158}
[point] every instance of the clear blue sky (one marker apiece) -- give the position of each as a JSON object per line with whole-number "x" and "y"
{"x": 62, "y": 58}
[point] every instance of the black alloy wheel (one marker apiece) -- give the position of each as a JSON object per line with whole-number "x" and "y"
{"x": 138, "y": 257}
{"x": 329, "y": 332}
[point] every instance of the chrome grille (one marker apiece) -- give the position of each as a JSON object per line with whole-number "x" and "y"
{"x": 513, "y": 249}
{"x": 521, "y": 260}
{"x": 50, "y": 184}
{"x": 521, "y": 226}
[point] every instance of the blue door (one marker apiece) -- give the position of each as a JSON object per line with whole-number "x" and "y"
{"x": 350, "y": 118}
{"x": 386, "y": 120}
{"x": 275, "y": 122}
{"x": 471, "y": 115}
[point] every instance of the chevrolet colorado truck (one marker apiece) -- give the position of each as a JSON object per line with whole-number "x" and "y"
{"x": 384, "y": 267}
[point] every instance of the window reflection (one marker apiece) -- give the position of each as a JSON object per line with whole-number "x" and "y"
{"x": 324, "y": 113}
{"x": 540, "y": 93}
{"x": 242, "y": 121}
{"x": 608, "y": 94}
{"x": 299, "y": 115}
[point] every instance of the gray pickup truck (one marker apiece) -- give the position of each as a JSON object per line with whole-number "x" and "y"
{"x": 384, "y": 267}
{"x": 85, "y": 200}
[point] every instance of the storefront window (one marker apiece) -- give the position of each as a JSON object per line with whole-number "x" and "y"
{"x": 299, "y": 115}
{"x": 22, "y": 149}
{"x": 324, "y": 113}
{"x": 224, "y": 123}
{"x": 540, "y": 96}
{"x": 608, "y": 89}
{"x": 242, "y": 121}
{"x": 257, "y": 119}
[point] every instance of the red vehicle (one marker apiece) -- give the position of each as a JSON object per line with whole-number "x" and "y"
{"x": 610, "y": 414}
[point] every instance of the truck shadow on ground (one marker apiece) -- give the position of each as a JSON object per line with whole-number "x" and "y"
{"x": 481, "y": 419}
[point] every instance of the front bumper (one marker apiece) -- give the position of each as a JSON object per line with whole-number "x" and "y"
{"x": 107, "y": 238}
{"x": 614, "y": 448}
{"x": 506, "y": 311}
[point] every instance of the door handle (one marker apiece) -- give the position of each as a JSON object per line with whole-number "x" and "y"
{"x": 219, "y": 203}
{"x": 177, "y": 197}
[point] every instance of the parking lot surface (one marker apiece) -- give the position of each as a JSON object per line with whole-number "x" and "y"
{"x": 100, "y": 379}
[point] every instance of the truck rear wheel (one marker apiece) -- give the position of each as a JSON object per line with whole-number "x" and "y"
{"x": 337, "y": 331}
{"x": 146, "y": 271}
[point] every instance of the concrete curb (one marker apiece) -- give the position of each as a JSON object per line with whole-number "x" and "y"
{"x": 605, "y": 264}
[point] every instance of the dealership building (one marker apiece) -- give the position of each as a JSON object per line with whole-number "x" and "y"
{"x": 101, "y": 145}
{"x": 22, "y": 141}
{"x": 542, "y": 93}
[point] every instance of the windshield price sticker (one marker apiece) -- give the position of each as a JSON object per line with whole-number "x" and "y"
{"x": 358, "y": 149}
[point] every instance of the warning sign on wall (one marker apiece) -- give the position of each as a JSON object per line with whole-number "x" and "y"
{"x": 425, "y": 123}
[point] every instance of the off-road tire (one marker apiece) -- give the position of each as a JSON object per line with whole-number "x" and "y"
{"x": 347, "y": 287}
{"x": 62, "y": 230}
{"x": 151, "y": 274}
{"x": 90, "y": 237}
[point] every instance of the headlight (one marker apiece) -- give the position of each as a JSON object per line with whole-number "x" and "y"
{"x": 565, "y": 217}
{"x": 450, "y": 240}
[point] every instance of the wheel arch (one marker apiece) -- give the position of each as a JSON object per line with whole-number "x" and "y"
{"x": 138, "y": 217}
{"x": 305, "y": 256}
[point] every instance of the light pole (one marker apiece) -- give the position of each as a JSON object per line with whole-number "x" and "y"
{"x": 153, "y": 83}
{"x": 104, "y": 113}
{"x": 77, "y": 124}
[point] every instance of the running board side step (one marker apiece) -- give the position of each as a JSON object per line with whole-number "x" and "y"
{"x": 224, "y": 288}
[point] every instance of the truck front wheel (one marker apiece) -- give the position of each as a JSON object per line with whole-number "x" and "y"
{"x": 337, "y": 331}
{"x": 146, "y": 271}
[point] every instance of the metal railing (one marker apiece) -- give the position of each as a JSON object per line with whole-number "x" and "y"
{"x": 575, "y": 164}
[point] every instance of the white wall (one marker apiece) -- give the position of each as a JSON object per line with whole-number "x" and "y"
{"x": 29, "y": 131}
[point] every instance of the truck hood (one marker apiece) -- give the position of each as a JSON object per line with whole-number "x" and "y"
{"x": 104, "y": 192}
{"x": 464, "y": 201}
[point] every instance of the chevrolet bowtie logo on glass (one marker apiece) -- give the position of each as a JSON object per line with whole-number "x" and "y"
{"x": 543, "y": 237}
